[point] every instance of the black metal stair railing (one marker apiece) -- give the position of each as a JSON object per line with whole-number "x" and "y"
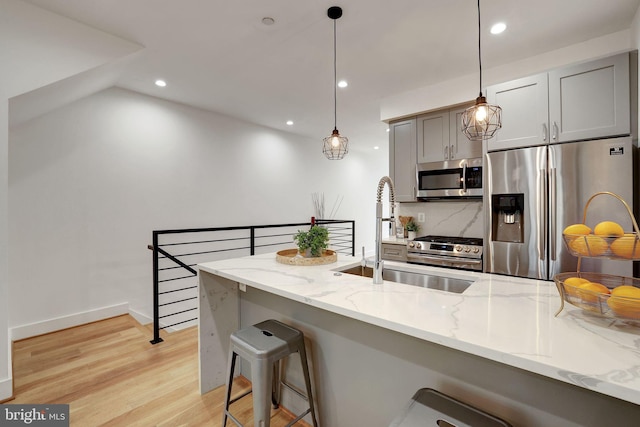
{"x": 177, "y": 252}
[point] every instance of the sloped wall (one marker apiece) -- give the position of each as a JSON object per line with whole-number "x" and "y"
{"x": 90, "y": 181}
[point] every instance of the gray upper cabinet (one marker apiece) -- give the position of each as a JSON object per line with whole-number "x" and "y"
{"x": 440, "y": 137}
{"x": 402, "y": 159}
{"x": 525, "y": 112}
{"x": 459, "y": 145}
{"x": 590, "y": 100}
{"x": 584, "y": 101}
{"x": 433, "y": 137}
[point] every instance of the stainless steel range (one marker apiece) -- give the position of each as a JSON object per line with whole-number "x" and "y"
{"x": 464, "y": 253}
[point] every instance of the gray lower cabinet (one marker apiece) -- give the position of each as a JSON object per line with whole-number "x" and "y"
{"x": 402, "y": 159}
{"x": 582, "y": 101}
{"x": 394, "y": 252}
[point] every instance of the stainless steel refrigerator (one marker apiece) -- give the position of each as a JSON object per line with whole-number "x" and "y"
{"x": 533, "y": 193}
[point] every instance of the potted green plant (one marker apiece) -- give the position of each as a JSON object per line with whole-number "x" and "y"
{"x": 412, "y": 228}
{"x": 312, "y": 243}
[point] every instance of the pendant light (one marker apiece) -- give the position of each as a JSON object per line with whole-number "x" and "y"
{"x": 482, "y": 120}
{"x": 335, "y": 146}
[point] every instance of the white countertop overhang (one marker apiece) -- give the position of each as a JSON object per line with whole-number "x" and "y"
{"x": 506, "y": 319}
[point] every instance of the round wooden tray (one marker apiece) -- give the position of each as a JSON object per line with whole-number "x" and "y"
{"x": 292, "y": 257}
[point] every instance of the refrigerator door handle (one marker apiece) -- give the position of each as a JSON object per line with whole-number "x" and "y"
{"x": 553, "y": 221}
{"x": 542, "y": 209}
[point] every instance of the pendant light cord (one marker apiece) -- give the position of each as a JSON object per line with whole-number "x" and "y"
{"x": 479, "y": 49}
{"x": 335, "y": 79}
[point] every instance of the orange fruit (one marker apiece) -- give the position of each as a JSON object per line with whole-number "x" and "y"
{"x": 625, "y": 301}
{"x": 608, "y": 228}
{"x": 589, "y": 291}
{"x": 577, "y": 229}
{"x": 590, "y": 245}
{"x": 626, "y": 291}
{"x": 572, "y": 284}
{"x": 626, "y": 247}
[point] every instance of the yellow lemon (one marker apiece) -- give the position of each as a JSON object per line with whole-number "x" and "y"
{"x": 577, "y": 229}
{"x": 572, "y": 284}
{"x": 608, "y": 228}
{"x": 589, "y": 291}
{"x": 590, "y": 245}
{"x": 625, "y": 301}
{"x": 626, "y": 247}
{"x": 626, "y": 291}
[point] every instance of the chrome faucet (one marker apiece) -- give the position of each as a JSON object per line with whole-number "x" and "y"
{"x": 378, "y": 263}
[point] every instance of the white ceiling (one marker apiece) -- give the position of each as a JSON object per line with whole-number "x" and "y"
{"x": 217, "y": 54}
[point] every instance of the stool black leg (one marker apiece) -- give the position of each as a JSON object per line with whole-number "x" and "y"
{"x": 275, "y": 387}
{"x": 307, "y": 380}
{"x": 227, "y": 398}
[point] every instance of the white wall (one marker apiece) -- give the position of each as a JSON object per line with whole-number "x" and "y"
{"x": 465, "y": 89}
{"x": 6, "y": 389}
{"x": 89, "y": 182}
{"x": 635, "y": 42}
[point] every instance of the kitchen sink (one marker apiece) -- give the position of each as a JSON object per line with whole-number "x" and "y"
{"x": 430, "y": 281}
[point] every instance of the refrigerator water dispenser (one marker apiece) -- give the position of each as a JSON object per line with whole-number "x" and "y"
{"x": 507, "y": 217}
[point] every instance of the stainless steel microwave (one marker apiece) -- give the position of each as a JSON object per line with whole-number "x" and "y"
{"x": 449, "y": 179}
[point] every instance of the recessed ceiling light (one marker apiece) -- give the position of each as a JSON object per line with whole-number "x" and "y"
{"x": 267, "y": 20}
{"x": 388, "y": 130}
{"x": 343, "y": 83}
{"x": 290, "y": 122}
{"x": 376, "y": 148}
{"x": 161, "y": 83}
{"x": 498, "y": 28}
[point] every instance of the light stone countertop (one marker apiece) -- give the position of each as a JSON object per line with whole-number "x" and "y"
{"x": 506, "y": 319}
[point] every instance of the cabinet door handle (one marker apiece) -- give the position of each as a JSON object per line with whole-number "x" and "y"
{"x": 451, "y": 147}
{"x": 544, "y": 132}
{"x": 446, "y": 152}
{"x": 555, "y": 131}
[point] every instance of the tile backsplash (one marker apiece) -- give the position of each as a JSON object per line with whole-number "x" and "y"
{"x": 462, "y": 218}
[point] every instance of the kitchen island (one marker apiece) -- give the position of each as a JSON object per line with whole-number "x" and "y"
{"x": 496, "y": 346}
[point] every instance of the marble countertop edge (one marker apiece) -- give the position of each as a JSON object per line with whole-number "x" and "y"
{"x": 243, "y": 270}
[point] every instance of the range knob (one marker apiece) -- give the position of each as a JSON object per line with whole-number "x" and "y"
{"x": 411, "y": 244}
{"x": 458, "y": 248}
{"x": 418, "y": 246}
{"x": 476, "y": 250}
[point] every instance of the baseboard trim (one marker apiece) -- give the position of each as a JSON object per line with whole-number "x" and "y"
{"x": 140, "y": 318}
{"x": 59, "y": 323}
{"x": 6, "y": 390}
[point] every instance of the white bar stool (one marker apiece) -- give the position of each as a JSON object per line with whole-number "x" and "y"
{"x": 264, "y": 345}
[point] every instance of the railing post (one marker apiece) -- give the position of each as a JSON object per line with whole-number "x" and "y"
{"x": 353, "y": 238}
{"x": 156, "y": 300}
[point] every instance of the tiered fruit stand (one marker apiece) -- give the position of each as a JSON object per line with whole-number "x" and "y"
{"x": 626, "y": 247}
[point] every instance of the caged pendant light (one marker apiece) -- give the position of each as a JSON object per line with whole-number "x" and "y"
{"x": 482, "y": 120}
{"x": 335, "y": 146}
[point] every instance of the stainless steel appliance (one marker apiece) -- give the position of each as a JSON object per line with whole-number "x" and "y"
{"x": 464, "y": 253}
{"x": 449, "y": 179}
{"x": 534, "y": 193}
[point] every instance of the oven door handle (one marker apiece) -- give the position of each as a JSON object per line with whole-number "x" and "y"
{"x": 443, "y": 260}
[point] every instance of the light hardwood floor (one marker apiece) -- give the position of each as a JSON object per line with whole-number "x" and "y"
{"x": 111, "y": 375}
